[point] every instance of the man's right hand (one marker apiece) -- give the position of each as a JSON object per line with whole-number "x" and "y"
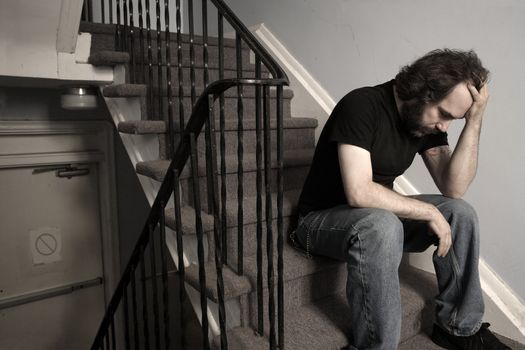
{"x": 441, "y": 228}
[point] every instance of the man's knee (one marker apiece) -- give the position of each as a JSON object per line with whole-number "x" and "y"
{"x": 458, "y": 209}
{"x": 384, "y": 227}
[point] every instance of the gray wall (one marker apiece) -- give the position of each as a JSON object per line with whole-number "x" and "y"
{"x": 346, "y": 44}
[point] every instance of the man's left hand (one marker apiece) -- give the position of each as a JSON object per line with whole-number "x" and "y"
{"x": 481, "y": 97}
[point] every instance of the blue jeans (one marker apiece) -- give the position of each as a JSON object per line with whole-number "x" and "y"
{"x": 372, "y": 242}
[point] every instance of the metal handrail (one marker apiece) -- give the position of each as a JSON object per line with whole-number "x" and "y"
{"x": 194, "y": 126}
{"x": 201, "y": 115}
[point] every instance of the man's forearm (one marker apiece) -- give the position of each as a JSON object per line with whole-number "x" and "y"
{"x": 464, "y": 161}
{"x": 374, "y": 195}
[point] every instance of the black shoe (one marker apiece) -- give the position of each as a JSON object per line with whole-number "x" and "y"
{"x": 482, "y": 340}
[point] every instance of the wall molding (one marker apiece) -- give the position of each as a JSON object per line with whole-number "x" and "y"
{"x": 504, "y": 309}
{"x": 294, "y": 67}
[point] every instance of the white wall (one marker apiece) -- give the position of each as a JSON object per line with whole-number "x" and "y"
{"x": 346, "y": 44}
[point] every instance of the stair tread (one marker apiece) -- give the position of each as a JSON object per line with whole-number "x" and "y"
{"x": 322, "y": 324}
{"x": 234, "y": 285}
{"x": 159, "y": 126}
{"x": 142, "y": 127}
{"x": 296, "y": 264}
{"x": 249, "y": 91}
{"x": 156, "y": 169}
{"x": 249, "y": 214}
{"x": 110, "y": 29}
{"x": 108, "y": 58}
{"x": 125, "y": 90}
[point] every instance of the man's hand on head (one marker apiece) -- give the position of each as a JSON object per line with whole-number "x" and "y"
{"x": 480, "y": 99}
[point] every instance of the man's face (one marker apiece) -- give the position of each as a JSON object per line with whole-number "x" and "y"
{"x": 422, "y": 119}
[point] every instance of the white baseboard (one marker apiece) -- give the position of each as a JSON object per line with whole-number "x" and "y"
{"x": 503, "y": 308}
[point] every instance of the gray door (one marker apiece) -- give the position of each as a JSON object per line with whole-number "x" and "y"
{"x": 49, "y": 241}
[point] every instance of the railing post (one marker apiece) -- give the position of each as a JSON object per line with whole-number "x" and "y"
{"x": 259, "y": 180}
{"x": 180, "y": 253}
{"x": 222, "y": 122}
{"x": 217, "y": 232}
{"x": 169, "y": 92}
{"x": 269, "y": 210}
{"x": 200, "y": 238}
{"x": 280, "y": 234}
{"x": 240, "y": 155}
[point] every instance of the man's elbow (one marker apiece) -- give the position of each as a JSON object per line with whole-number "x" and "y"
{"x": 453, "y": 193}
{"x": 355, "y": 198}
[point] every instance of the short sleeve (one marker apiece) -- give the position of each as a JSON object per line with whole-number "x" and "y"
{"x": 434, "y": 140}
{"x": 354, "y": 120}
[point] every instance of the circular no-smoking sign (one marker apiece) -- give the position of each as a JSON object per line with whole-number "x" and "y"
{"x": 46, "y": 244}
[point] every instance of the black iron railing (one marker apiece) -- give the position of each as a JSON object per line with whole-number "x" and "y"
{"x": 138, "y": 314}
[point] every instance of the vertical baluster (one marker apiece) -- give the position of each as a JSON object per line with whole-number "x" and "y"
{"x": 171, "y": 130}
{"x": 83, "y": 16}
{"x": 240, "y": 155}
{"x": 126, "y": 320}
{"x": 106, "y": 342}
{"x": 222, "y": 122}
{"x": 110, "y": 11}
{"x": 153, "y": 259}
{"x": 102, "y": 12}
{"x": 125, "y": 22}
{"x": 180, "y": 254}
{"x": 118, "y": 32}
{"x": 205, "y": 41}
{"x": 212, "y": 163}
{"x": 113, "y": 336}
{"x": 179, "y": 67}
{"x": 141, "y": 41}
{"x": 200, "y": 246}
{"x": 88, "y": 10}
{"x": 258, "y": 156}
{"x": 164, "y": 271}
{"x": 209, "y": 176}
{"x": 269, "y": 219}
{"x": 134, "y": 310}
{"x": 280, "y": 240}
{"x": 192, "y": 53}
{"x": 145, "y": 309}
{"x": 159, "y": 64}
{"x": 150, "y": 58}
{"x": 133, "y": 68}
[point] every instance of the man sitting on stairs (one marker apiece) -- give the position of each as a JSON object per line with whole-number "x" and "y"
{"x": 348, "y": 210}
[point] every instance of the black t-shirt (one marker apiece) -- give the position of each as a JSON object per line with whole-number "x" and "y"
{"x": 367, "y": 118}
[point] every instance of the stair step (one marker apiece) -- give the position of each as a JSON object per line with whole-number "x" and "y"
{"x": 108, "y": 58}
{"x": 243, "y": 338}
{"x": 248, "y": 93}
{"x": 103, "y": 39}
{"x": 156, "y": 169}
{"x": 159, "y": 126}
{"x": 249, "y": 214}
{"x": 142, "y": 127}
{"x": 110, "y": 29}
{"x": 328, "y": 314}
{"x": 125, "y": 90}
{"x": 230, "y": 107}
{"x": 234, "y": 285}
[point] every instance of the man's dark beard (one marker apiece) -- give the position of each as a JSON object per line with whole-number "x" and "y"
{"x": 411, "y": 115}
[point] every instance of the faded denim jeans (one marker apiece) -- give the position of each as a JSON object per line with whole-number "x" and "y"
{"x": 372, "y": 242}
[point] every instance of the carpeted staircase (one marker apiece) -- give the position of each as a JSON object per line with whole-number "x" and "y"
{"x": 315, "y": 304}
